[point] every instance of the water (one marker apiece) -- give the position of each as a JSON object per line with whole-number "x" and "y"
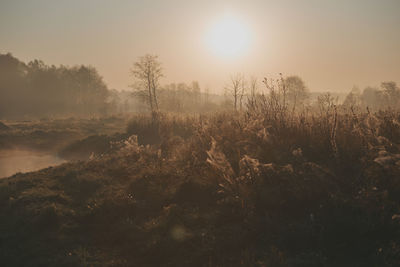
{"x": 13, "y": 161}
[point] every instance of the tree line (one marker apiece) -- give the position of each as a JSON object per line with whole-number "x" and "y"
{"x": 36, "y": 89}
{"x": 147, "y": 72}
{"x": 375, "y": 98}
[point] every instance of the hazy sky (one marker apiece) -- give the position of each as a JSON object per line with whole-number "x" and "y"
{"x": 332, "y": 45}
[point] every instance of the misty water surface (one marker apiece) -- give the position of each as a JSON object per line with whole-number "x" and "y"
{"x": 13, "y": 161}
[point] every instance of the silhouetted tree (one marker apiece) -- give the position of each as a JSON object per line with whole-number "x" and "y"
{"x": 253, "y": 91}
{"x": 147, "y": 72}
{"x": 237, "y": 89}
{"x": 13, "y": 85}
{"x": 297, "y": 92}
{"x": 37, "y": 89}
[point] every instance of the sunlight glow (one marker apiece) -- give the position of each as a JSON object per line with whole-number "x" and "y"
{"x": 228, "y": 37}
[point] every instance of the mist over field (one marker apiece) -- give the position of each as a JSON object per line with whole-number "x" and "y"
{"x": 180, "y": 133}
{"x": 13, "y": 161}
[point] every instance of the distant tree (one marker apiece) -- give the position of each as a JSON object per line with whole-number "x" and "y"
{"x": 392, "y": 93}
{"x": 92, "y": 91}
{"x": 13, "y": 86}
{"x": 353, "y": 99}
{"x": 113, "y": 101}
{"x": 237, "y": 89}
{"x": 372, "y": 97}
{"x": 388, "y": 95}
{"x": 36, "y": 89}
{"x": 243, "y": 90}
{"x": 196, "y": 93}
{"x": 253, "y": 91}
{"x": 296, "y": 90}
{"x": 206, "y": 95}
{"x": 369, "y": 95}
{"x": 147, "y": 72}
{"x": 180, "y": 97}
{"x": 196, "y": 87}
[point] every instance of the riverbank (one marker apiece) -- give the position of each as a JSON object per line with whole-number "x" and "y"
{"x": 18, "y": 161}
{"x": 223, "y": 190}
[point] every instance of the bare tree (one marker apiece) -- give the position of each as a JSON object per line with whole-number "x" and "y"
{"x": 243, "y": 86}
{"x": 147, "y": 72}
{"x": 253, "y": 90}
{"x": 237, "y": 89}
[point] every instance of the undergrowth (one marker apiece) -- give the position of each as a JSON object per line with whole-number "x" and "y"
{"x": 264, "y": 187}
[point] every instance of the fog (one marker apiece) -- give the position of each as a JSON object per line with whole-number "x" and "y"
{"x": 331, "y": 44}
{"x": 200, "y": 133}
{"x": 35, "y": 89}
{"x": 16, "y": 160}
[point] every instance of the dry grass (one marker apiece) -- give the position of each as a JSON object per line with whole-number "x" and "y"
{"x": 266, "y": 187}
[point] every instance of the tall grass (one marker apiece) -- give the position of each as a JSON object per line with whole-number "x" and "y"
{"x": 269, "y": 186}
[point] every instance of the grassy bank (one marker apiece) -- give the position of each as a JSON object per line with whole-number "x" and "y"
{"x": 257, "y": 188}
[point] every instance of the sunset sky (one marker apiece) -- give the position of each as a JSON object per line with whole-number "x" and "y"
{"x": 332, "y": 45}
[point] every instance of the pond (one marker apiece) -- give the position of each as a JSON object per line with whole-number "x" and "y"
{"x": 13, "y": 161}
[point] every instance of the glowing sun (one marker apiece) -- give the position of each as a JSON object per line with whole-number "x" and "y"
{"x": 228, "y": 37}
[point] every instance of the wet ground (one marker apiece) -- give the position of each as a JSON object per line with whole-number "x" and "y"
{"x": 13, "y": 161}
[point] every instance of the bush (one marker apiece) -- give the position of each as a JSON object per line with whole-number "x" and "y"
{"x": 245, "y": 189}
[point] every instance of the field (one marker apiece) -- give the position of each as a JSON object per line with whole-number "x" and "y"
{"x": 200, "y": 133}
{"x": 261, "y": 187}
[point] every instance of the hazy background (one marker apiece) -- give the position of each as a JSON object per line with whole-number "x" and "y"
{"x": 332, "y": 45}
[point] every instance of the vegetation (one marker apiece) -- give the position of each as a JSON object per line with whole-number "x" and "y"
{"x": 35, "y": 90}
{"x": 147, "y": 73}
{"x": 387, "y": 96}
{"x": 39, "y": 90}
{"x": 258, "y": 178}
{"x": 265, "y": 187}
{"x": 53, "y": 135}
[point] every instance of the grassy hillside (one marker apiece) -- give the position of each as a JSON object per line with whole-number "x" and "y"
{"x": 258, "y": 188}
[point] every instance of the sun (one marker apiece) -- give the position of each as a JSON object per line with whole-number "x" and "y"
{"x": 228, "y": 37}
